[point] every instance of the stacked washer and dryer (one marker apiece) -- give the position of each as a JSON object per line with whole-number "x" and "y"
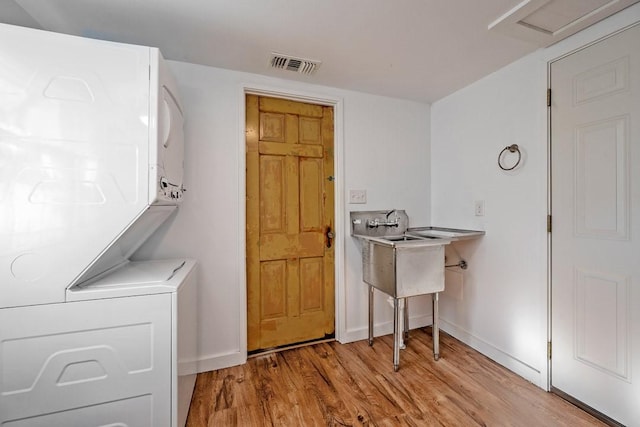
{"x": 91, "y": 164}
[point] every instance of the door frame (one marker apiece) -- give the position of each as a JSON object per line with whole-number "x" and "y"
{"x": 582, "y": 40}
{"x": 339, "y": 206}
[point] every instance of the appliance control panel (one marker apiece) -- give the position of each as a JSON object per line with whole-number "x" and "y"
{"x": 168, "y": 190}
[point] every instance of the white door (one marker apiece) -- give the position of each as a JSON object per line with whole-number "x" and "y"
{"x": 595, "y": 149}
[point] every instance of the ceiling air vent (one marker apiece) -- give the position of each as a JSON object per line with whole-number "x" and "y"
{"x": 291, "y": 63}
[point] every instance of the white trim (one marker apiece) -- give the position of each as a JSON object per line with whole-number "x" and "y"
{"x": 242, "y": 221}
{"x": 494, "y": 353}
{"x": 541, "y": 358}
{"x": 219, "y": 361}
{"x": 385, "y": 328}
{"x": 338, "y": 111}
{"x": 547, "y": 317}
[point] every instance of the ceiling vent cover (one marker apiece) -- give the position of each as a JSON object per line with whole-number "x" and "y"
{"x": 545, "y": 22}
{"x": 291, "y": 63}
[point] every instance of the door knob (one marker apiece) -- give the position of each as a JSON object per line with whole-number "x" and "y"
{"x": 330, "y": 235}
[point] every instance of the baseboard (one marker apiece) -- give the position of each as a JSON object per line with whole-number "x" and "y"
{"x": 384, "y": 328}
{"x": 517, "y": 366}
{"x": 214, "y": 362}
{"x": 220, "y": 361}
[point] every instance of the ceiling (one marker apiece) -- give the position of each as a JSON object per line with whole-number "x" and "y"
{"x": 415, "y": 49}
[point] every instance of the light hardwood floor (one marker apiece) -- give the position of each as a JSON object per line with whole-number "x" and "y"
{"x": 331, "y": 384}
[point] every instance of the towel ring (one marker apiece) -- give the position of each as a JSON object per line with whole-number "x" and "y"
{"x": 513, "y": 148}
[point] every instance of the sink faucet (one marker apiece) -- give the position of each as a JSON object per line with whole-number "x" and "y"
{"x": 374, "y": 223}
{"x": 393, "y": 223}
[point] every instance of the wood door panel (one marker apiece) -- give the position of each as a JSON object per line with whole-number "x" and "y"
{"x": 297, "y": 329}
{"x": 329, "y": 298}
{"x": 275, "y": 105}
{"x": 273, "y": 295}
{"x": 279, "y": 149}
{"x": 311, "y": 181}
{"x": 291, "y": 300}
{"x": 272, "y": 127}
{"x": 272, "y": 182}
{"x": 310, "y": 130}
{"x": 293, "y": 289}
{"x": 290, "y": 268}
{"x": 284, "y": 246}
{"x": 312, "y": 293}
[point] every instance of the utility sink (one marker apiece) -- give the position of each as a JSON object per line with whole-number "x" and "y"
{"x": 403, "y": 262}
{"x": 400, "y": 265}
{"x": 396, "y": 262}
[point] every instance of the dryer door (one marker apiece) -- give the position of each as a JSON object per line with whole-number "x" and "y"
{"x": 170, "y": 148}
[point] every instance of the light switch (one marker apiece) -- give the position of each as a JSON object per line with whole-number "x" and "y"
{"x": 357, "y": 196}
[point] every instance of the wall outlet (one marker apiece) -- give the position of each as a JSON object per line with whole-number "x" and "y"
{"x": 478, "y": 207}
{"x": 357, "y": 196}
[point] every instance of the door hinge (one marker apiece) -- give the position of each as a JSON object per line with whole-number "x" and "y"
{"x": 548, "y": 223}
{"x": 549, "y": 350}
{"x": 549, "y": 97}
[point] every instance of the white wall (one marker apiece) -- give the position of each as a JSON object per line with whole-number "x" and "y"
{"x": 385, "y": 150}
{"x": 503, "y": 309}
{"x": 504, "y": 293}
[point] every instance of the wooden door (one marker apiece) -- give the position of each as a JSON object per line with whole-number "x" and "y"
{"x": 290, "y": 219}
{"x": 595, "y": 237}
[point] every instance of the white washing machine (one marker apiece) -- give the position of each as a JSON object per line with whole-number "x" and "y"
{"x": 122, "y": 351}
{"x": 91, "y": 164}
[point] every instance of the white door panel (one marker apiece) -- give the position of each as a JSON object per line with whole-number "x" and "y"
{"x": 595, "y": 150}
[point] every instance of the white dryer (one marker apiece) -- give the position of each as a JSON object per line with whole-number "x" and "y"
{"x": 91, "y": 163}
{"x": 91, "y": 158}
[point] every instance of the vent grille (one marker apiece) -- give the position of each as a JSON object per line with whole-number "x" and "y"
{"x": 291, "y": 63}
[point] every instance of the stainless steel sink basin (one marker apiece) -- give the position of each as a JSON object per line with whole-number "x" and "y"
{"x": 404, "y": 266}
{"x": 401, "y": 238}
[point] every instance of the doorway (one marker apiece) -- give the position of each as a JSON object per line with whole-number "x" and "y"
{"x": 290, "y": 225}
{"x": 595, "y": 239}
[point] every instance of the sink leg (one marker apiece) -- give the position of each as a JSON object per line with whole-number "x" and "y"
{"x": 396, "y": 335}
{"x": 370, "y": 315}
{"x": 402, "y": 326}
{"x": 406, "y": 319}
{"x": 435, "y": 328}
